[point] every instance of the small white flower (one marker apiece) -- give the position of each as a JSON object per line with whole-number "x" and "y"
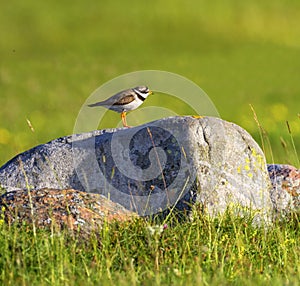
{"x": 156, "y": 229}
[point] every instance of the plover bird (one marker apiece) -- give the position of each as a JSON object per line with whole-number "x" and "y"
{"x": 125, "y": 100}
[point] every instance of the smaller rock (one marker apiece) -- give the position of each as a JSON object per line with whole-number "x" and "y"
{"x": 286, "y": 187}
{"x": 71, "y": 209}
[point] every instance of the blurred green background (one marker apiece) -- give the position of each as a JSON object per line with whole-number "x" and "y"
{"x": 55, "y": 54}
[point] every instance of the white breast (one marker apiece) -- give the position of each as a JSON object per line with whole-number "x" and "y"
{"x": 127, "y": 107}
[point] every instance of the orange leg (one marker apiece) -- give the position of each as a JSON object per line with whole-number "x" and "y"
{"x": 123, "y": 116}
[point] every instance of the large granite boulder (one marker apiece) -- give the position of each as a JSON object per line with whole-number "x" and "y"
{"x": 149, "y": 168}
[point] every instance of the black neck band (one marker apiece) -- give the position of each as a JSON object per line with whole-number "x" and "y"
{"x": 140, "y": 97}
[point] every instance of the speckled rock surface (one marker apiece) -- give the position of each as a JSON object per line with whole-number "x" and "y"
{"x": 149, "y": 168}
{"x": 231, "y": 169}
{"x": 285, "y": 193}
{"x": 71, "y": 209}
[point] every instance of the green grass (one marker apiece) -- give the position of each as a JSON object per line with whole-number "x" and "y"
{"x": 223, "y": 251}
{"x": 55, "y": 54}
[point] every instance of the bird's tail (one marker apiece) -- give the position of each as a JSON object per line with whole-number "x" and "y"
{"x": 95, "y": 104}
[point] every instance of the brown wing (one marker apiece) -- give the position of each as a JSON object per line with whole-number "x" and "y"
{"x": 123, "y": 97}
{"x": 125, "y": 100}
